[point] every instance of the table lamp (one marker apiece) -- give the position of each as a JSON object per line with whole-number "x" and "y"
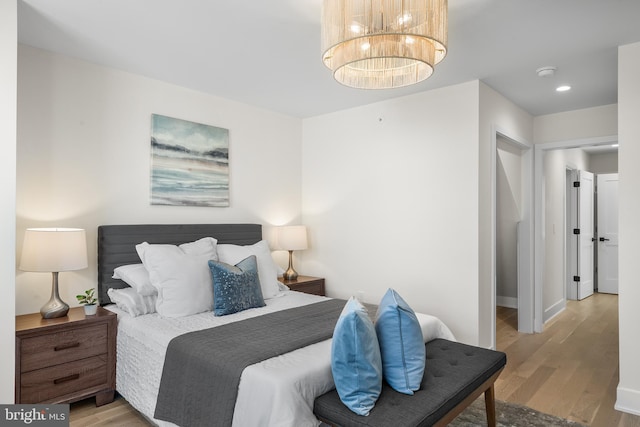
{"x": 292, "y": 238}
{"x": 54, "y": 250}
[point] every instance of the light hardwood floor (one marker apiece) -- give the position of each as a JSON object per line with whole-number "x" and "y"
{"x": 570, "y": 370}
{"x": 116, "y": 414}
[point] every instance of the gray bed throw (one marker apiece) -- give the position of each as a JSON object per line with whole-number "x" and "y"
{"x": 202, "y": 369}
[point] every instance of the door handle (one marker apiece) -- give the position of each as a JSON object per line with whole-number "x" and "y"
{"x": 604, "y": 239}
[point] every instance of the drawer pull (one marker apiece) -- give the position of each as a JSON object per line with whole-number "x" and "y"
{"x": 67, "y": 378}
{"x": 66, "y": 346}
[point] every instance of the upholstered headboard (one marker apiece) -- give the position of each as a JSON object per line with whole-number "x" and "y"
{"x": 117, "y": 244}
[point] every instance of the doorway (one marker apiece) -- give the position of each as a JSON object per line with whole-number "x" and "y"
{"x": 544, "y": 299}
{"x": 508, "y": 217}
{"x": 512, "y": 176}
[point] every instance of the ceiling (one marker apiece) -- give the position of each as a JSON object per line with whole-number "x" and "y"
{"x": 267, "y": 53}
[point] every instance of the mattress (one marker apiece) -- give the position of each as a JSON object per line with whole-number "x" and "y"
{"x": 276, "y": 392}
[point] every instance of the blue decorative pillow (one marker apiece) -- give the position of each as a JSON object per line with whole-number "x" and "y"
{"x": 401, "y": 344}
{"x": 235, "y": 288}
{"x": 355, "y": 359}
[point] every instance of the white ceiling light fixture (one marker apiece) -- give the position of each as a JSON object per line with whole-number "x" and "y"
{"x": 563, "y": 88}
{"x": 383, "y": 44}
{"x": 547, "y": 71}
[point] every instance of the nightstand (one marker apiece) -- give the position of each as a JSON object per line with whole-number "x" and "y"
{"x": 66, "y": 359}
{"x": 306, "y": 284}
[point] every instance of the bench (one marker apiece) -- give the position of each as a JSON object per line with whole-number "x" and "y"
{"x": 456, "y": 374}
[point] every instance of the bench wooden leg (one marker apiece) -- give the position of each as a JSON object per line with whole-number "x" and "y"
{"x": 490, "y": 405}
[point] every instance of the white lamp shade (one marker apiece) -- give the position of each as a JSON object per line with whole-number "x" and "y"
{"x": 292, "y": 237}
{"x": 54, "y": 250}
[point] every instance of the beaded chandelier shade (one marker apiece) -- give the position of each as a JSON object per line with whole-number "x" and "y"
{"x": 382, "y": 44}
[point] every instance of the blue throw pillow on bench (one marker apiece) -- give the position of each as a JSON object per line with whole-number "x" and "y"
{"x": 355, "y": 359}
{"x": 401, "y": 343}
{"x": 235, "y": 288}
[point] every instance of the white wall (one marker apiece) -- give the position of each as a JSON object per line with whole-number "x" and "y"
{"x": 508, "y": 215}
{"x": 577, "y": 124}
{"x": 497, "y": 115}
{"x": 83, "y": 158}
{"x": 629, "y": 158}
{"x": 603, "y": 163}
{"x": 555, "y": 166}
{"x": 8, "y": 93}
{"x": 391, "y": 200}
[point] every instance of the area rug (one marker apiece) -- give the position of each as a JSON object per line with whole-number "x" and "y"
{"x": 509, "y": 415}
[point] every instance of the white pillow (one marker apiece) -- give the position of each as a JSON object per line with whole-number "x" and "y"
{"x": 132, "y": 302}
{"x": 181, "y": 275}
{"x": 267, "y": 268}
{"x": 136, "y": 276}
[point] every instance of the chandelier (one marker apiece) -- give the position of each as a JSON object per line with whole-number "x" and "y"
{"x": 382, "y": 44}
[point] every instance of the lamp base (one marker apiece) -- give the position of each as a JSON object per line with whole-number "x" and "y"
{"x": 290, "y": 274}
{"x": 55, "y": 307}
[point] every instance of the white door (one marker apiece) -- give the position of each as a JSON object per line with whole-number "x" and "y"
{"x": 608, "y": 233}
{"x": 585, "y": 236}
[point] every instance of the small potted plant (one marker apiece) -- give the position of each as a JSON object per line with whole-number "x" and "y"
{"x": 89, "y": 301}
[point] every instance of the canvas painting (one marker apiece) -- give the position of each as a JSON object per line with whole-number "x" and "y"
{"x": 189, "y": 163}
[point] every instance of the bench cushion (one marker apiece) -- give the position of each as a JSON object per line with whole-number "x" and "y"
{"x": 453, "y": 371}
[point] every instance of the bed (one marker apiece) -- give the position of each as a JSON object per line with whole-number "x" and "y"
{"x": 278, "y": 391}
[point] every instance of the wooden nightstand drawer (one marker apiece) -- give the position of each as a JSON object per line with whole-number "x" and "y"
{"x": 46, "y": 384}
{"x": 61, "y": 347}
{"x": 306, "y": 284}
{"x": 308, "y": 288}
{"x": 66, "y": 359}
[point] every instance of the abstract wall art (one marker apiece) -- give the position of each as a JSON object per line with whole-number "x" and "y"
{"x": 189, "y": 163}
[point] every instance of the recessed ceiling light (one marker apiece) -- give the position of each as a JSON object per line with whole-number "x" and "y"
{"x": 563, "y": 88}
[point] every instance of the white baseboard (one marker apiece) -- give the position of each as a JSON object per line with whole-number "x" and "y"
{"x": 554, "y": 310}
{"x": 628, "y": 401}
{"x": 509, "y": 302}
